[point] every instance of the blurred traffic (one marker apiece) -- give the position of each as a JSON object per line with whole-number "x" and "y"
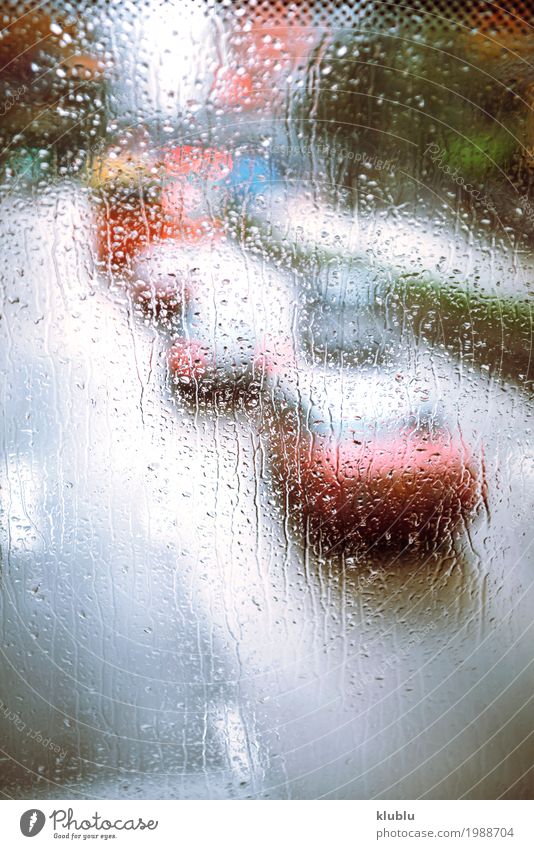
{"x": 268, "y": 328}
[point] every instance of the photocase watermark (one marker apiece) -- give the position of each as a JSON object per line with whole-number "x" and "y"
{"x": 64, "y": 819}
{"x": 29, "y": 732}
{"x": 10, "y": 101}
{"x": 371, "y": 162}
{"x": 438, "y": 156}
{"x": 32, "y": 822}
{"x": 323, "y": 149}
{"x": 527, "y": 208}
{"x": 66, "y": 825}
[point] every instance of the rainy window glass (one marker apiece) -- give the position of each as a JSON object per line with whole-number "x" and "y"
{"x": 266, "y": 469}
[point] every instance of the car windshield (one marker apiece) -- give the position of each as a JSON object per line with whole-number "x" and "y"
{"x": 266, "y": 469}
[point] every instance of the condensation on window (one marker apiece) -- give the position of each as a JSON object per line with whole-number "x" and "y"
{"x": 266, "y": 472}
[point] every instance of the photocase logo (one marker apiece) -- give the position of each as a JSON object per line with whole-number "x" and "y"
{"x": 32, "y": 822}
